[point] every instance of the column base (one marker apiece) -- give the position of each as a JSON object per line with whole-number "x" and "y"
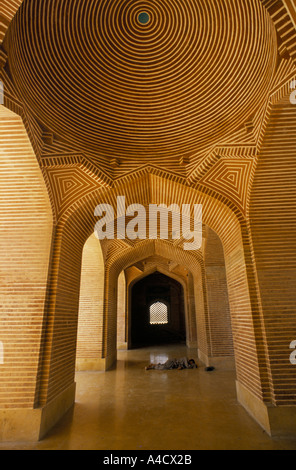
{"x": 224, "y": 363}
{"x": 100, "y": 364}
{"x": 122, "y": 346}
{"x": 25, "y": 425}
{"x": 277, "y": 421}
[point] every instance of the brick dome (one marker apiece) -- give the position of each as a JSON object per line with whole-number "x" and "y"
{"x": 142, "y": 79}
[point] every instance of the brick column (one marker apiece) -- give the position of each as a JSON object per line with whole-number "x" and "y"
{"x": 221, "y": 347}
{"x": 25, "y": 247}
{"x": 91, "y": 302}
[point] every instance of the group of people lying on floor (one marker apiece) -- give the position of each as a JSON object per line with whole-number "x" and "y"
{"x": 170, "y": 364}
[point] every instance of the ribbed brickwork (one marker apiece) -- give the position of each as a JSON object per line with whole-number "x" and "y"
{"x": 121, "y": 310}
{"x": 282, "y": 13}
{"x": 183, "y": 142}
{"x": 291, "y": 9}
{"x": 91, "y": 301}
{"x": 123, "y": 258}
{"x": 201, "y": 311}
{"x": 59, "y": 342}
{"x": 192, "y": 330}
{"x": 217, "y": 295}
{"x": 8, "y": 9}
{"x": 166, "y": 69}
{"x": 273, "y": 228}
{"x": 159, "y": 190}
{"x": 175, "y": 271}
{"x": 25, "y": 244}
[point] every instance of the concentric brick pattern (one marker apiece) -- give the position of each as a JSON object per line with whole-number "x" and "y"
{"x": 96, "y": 76}
{"x": 126, "y": 93}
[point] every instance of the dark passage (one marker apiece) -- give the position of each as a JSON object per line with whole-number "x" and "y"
{"x": 157, "y": 315}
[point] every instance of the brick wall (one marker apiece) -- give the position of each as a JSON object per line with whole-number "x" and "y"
{"x": 58, "y": 367}
{"x": 8, "y": 9}
{"x": 221, "y": 343}
{"x": 273, "y": 228}
{"x": 25, "y": 245}
{"x": 91, "y": 302}
{"x": 121, "y": 310}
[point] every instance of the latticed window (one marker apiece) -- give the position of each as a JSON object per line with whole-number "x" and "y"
{"x": 158, "y": 314}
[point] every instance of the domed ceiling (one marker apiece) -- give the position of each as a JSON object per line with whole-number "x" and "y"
{"x": 142, "y": 79}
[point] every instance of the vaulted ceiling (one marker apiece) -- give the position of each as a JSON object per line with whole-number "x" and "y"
{"x": 108, "y": 87}
{"x": 115, "y": 87}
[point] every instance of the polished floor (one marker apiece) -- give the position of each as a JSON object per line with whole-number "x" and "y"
{"x": 129, "y": 408}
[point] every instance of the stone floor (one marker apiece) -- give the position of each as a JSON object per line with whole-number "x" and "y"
{"x": 129, "y": 408}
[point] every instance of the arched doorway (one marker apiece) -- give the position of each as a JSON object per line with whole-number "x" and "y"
{"x": 157, "y": 311}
